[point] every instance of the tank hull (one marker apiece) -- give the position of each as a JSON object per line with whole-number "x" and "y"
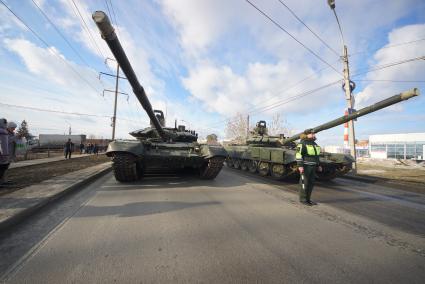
{"x": 280, "y": 163}
{"x": 208, "y": 159}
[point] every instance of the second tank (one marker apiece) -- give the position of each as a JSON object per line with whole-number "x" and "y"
{"x": 275, "y": 155}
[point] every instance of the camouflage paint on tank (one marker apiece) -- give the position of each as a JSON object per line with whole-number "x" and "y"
{"x": 276, "y": 154}
{"x": 156, "y": 146}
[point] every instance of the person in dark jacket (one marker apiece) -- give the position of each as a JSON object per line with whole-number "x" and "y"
{"x": 4, "y": 150}
{"x": 307, "y": 157}
{"x": 68, "y": 149}
{"x": 95, "y": 149}
{"x": 81, "y": 148}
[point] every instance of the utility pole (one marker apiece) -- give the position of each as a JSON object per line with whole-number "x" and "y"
{"x": 348, "y": 88}
{"x": 114, "y": 118}
{"x": 117, "y": 77}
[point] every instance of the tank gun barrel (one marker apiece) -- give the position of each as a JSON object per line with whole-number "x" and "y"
{"x": 366, "y": 110}
{"x": 109, "y": 35}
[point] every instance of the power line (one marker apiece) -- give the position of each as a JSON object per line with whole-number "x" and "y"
{"x": 54, "y": 111}
{"x": 62, "y": 112}
{"x": 389, "y": 46}
{"x": 60, "y": 33}
{"x": 287, "y": 100}
{"x": 302, "y": 22}
{"x": 293, "y": 37}
{"x": 292, "y": 86}
{"x": 394, "y": 81}
{"x": 88, "y": 30}
{"x": 380, "y": 67}
{"x": 113, "y": 13}
{"x": 290, "y": 99}
{"x": 109, "y": 12}
{"x": 48, "y": 46}
{"x": 281, "y": 92}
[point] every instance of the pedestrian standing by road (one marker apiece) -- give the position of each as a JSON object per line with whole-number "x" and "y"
{"x": 81, "y": 148}
{"x": 11, "y": 127}
{"x": 4, "y": 150}
{"x": 11, "y": 145}
{"x": 95, "y": 149}
{"x": 68, "y": 149}
{"x": 307, "y": 157}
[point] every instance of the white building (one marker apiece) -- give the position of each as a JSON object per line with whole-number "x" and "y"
{"x": 397, "y": 146}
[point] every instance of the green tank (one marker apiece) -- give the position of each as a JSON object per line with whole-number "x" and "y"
{"x": 275, "y": 155}
{"x": 157, "y": 146}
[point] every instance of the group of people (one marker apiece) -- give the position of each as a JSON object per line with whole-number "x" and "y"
{"x": 7, "y": 148}
{"x": 90, "y": 148}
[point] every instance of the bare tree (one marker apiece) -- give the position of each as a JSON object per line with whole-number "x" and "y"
{"x": 212, "y": 139}
{"x": 236, "y": 129}
{"x": 278, "y": 125}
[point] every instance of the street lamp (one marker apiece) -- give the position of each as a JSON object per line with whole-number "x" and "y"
{"x": 348, "y": 88}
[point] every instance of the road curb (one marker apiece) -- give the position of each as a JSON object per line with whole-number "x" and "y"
{"x": 14, "y": 219}
{"x": 22, "y": 164}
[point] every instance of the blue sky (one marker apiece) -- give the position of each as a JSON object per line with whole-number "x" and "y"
{"x": 203, "y": 62}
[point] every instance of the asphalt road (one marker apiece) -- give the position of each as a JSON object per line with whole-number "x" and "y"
{"x": 238, "y": 228}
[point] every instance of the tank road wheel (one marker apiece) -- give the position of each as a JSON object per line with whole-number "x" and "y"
{"x": 327, "y": 173}
{"x": 126, "y": 167}
{"x": 278, "y": 171}
{"x": 263, "y": 168}
{"x": 211, "y": 168}
{"x": 244, "y": 165}
{"x": 237, "y": 163}
{"x": 252, "y": 166}
{"x": 229, "y": 162}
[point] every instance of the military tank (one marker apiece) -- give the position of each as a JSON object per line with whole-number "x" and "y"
{"x": 157, "y": 146}
{"x": 275, "y": 155}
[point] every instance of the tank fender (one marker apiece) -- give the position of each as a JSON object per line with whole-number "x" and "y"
{"x": 209, "y": 151}
{"x": 133, "y": 147}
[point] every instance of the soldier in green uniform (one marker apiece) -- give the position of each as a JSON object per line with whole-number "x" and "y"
{"x": 307, "y": 157}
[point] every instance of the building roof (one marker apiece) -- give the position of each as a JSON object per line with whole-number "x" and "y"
{"x": 400, "y": 137}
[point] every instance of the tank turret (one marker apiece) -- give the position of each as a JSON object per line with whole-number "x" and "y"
{"x": 157, "y": 146}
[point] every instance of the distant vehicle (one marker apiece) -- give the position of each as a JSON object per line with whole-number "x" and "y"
{"x": 156, "y": 146}
{"x": 275, "y": 156}
{"x": 58, "y": 140}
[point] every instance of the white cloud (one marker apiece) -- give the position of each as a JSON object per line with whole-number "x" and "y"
{"x": 54, "y": 85}
{"x": 49, "y": 63}
{"x": 223, "y": 91}
{"x": 205, "y": 25}
{"x": 409, "y": 71}
{"x": 199, "y": 23}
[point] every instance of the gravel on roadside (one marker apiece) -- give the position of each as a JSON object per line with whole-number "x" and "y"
{"x": 29, "y": 175}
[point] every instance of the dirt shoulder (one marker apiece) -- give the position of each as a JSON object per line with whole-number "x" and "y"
{"x": 409, "y": 175}
{"x": 29, "y": 175}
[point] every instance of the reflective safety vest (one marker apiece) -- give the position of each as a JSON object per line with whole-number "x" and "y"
{"x": 307, "y": 153}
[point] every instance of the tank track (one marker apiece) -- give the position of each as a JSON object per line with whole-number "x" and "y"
{"x": 125, "y": 168}
{"x": 212, "y": 168}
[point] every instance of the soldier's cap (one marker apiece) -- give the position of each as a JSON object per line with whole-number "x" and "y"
{"x": 308, "y": 131}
